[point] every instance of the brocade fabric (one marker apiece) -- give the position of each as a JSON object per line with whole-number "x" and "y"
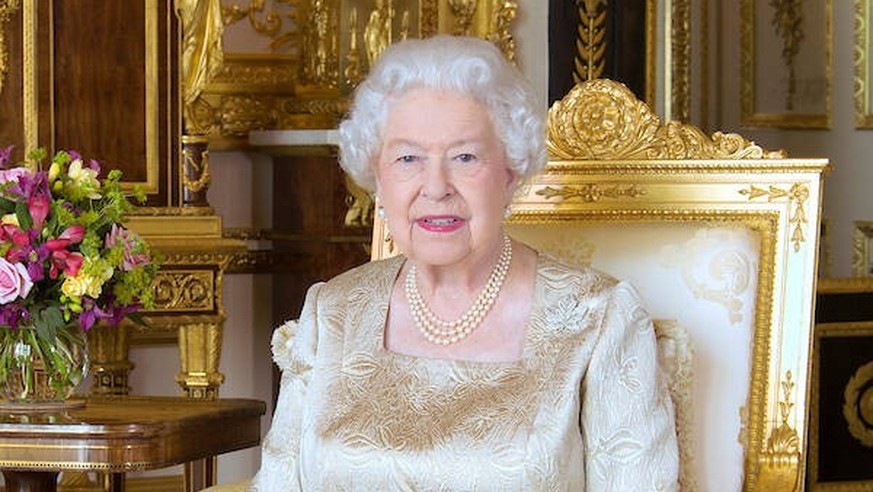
{"x": 584, "y": 408}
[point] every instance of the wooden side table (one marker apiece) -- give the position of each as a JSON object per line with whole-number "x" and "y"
{"x": 122, "y": 434}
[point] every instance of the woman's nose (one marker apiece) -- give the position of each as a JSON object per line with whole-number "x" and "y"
{"x": 437, "y": 182}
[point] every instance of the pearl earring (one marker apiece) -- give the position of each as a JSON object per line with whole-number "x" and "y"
{"x": 507, "y": 212}
{"x": 380, "y": 211}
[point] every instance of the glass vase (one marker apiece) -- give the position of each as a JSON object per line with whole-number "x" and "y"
{"x": 39, "y": 373}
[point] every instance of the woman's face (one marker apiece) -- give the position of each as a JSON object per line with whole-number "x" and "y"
{"x": 442, "y": 177}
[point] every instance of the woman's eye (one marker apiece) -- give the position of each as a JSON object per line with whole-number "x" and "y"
{"x": 466, "y": 157}
{"x": 406, "y": 159}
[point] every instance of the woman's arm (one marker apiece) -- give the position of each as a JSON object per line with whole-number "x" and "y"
{"x": 627, "y": 416}
{"x": 294, "y": 348}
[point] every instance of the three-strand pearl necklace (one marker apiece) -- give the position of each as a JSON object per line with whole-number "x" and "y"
{"x": 442, "y": 332}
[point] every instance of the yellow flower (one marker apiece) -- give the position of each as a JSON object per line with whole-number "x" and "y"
{"x": 84, "y": 178}
{"x": 81, "y": 284}
{"x": 10, "y": 219}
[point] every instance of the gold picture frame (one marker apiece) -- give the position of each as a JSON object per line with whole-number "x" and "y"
{"x": 840, "y": 429}
{"x": 863, "y": 94}
{"x": 797, "y": 37}
{"x": 862, "y": 236}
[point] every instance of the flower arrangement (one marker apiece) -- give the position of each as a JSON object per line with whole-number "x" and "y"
{"x": 66, "y": 259}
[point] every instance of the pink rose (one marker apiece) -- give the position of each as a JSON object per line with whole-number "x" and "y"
{"x": 14, "y": 281}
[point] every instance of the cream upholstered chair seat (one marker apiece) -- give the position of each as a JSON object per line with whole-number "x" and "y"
{"x": 720, "y": 238}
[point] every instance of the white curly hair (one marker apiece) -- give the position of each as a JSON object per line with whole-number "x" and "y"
{"x": 466, "y": 65}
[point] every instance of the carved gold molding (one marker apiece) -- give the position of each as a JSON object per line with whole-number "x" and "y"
{"x": 798, "y": 194}
{"x": 781, "y": 460}
{"x": 601, "y": 119}
{"x": 184, "y": 291}
{"x": 7, "y": 9}
{"x": 862, "y": 235}
{"x": 858, "y": 405}
{"x": 591, "y": 41}
{"x": 862, "y": 92}
{"x": 680, "y": 44}
{"x": 592, "y": 192}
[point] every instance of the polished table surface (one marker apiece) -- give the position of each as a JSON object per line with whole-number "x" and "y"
{"x": 123, "y": 434}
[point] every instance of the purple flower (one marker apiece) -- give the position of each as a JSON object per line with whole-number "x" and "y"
{"x": 5, "y": 156}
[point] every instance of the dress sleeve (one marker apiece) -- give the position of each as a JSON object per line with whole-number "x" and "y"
{"x": 626, "y": 412}
{"x": 294, "y": 348}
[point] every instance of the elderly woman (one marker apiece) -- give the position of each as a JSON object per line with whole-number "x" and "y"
{"x": 471, "y": 362}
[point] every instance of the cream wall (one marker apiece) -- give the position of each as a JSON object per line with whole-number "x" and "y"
{"x": 847, "y": 195}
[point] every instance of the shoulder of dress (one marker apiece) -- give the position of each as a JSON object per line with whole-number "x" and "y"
{"x": 561, "y": 276}
{"x": 372, "y": 277}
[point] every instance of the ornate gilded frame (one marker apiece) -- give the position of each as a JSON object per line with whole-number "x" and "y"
{"x": 862, "y": 235}
{"x": 849, "y": 375}
{"x": 863, "y": 94}
{"x": 792, "y": 34}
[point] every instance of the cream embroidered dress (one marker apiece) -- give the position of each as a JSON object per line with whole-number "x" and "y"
{"x": 584, "y": 408}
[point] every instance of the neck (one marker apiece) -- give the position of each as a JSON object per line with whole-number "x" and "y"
{"x": 461, "y": 280}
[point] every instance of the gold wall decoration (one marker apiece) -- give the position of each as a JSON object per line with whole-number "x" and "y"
{"x": 841, "y": 415}
{"x": 862, "y": 235}
{"x": 590, "y": 40}
{"x": 7, "y": 9}
{"x": 680, "y": 46}
{"x": 797, "y": 37}
{"x": 318, "y": 51}
{"x": 184, "y": 291}
{"x": 781, "y": 459}
{"x": 858, "y": 405}
{"x": 863, "y": 93}
{"x": 787, "y": 22}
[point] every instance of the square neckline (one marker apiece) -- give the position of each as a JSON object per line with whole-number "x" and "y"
{"x": 382, "y": 327}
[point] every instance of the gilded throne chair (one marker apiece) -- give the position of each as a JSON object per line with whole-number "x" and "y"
{"x": 720, "y": 239}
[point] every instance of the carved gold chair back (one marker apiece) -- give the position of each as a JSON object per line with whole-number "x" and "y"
{"x": 720, "y": 238}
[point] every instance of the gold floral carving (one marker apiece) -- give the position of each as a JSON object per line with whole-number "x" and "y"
{"x": 590, "y": 40}
{"x": 862, "y": 92}
{"x": 591, "y": 192}
{"x": 858, "y": 404}
{"x": 602, "y": 120}
{"x": 184, "y": 290}
{"x": 680, "y": 44}
{"x": 861, "y": 237}
{"x": 500, "y": 33}
{"x": 7, "y": 8}
{"x": 798, "y": 194}
{"x": 270, "y": 26}
{"x": 352, "y": 72}
{"x": 780, "y": 468}
{"x": 319, "y": 46}
{"x": 463, "y": 10}
{"x": 787, "y": 21}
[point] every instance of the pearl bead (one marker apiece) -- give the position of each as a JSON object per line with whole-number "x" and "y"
{"x": 444, "y": 332}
